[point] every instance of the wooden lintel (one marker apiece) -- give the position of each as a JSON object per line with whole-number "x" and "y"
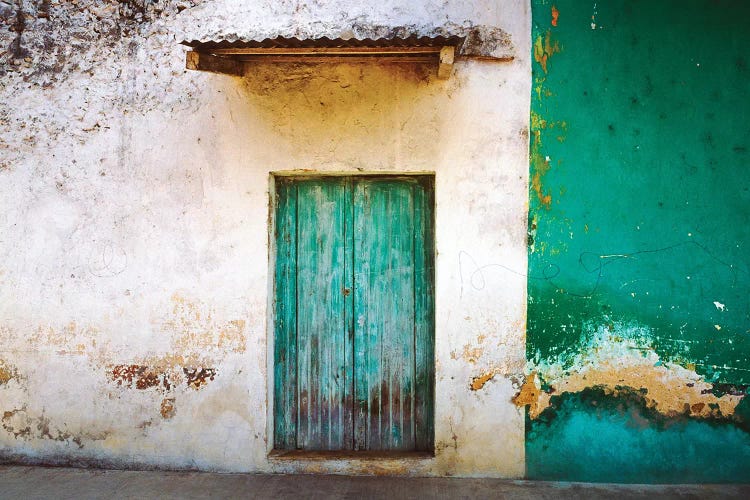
{"x": 445, "y": 66}
{"x": 214, "y": 64}
{"x": 344, "y": 51}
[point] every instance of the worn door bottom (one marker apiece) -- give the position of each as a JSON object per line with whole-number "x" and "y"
{"x": 348, "y": 455}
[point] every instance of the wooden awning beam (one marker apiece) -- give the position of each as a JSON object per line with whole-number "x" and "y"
{"x": 337, "y": 59}
{"x": 230, "y": 60}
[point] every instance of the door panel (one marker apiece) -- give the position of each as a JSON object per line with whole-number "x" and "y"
{"x": 354, "y": 343}
{"x": 322, "y": 341}
{"x": 424, "y": 313}
{"x": 285, "y": 317}
{"x": 384, "y": 314}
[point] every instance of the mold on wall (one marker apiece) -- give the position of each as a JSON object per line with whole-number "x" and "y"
{"x": 134, "y": 195}
{"x": 638, "y": 311}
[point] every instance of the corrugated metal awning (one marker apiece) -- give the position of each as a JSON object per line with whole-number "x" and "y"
{"x": 282, "y": 42}
{"x": 230, "y": 56}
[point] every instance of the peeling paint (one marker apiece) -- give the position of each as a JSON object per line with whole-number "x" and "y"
{"x": 194, "y": 328}
{"x": 168, "y": 409}
{"x": 529, "y": 394}
{"x": 163, "y": 374}
{"x": 478, "y": 382}
{"x": 619, "y": 357}
{"x": 506, "y": 370}
{"x": 198, "y": 377}
{"x": 70, "y": 338}
{"x": 539, "y": 163}
{"x": 7, "y": 372}
{"x": 138, "y": 377}
{"x": 15, "y": 423}
{"x": 470, "y": 353}
{"x": 544, "y": 49}
{"x": 22, "y": 425}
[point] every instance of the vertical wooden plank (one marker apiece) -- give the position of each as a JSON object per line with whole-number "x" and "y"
{"x": 384, "y": 309}
{"x": 424, "y": 325}
{"x": 285, "y": 336}
{"x": 362, "y": 340}
{"x": 348, "y": 411}
{"x": 321, "y": 324}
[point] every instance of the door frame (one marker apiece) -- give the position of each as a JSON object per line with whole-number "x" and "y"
{"x": 271, "y": 452}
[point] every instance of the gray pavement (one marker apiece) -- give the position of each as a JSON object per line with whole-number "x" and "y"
{"x": 63, "y": 483}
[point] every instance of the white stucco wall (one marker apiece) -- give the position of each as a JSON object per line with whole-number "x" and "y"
{"x": 134, "y": 213}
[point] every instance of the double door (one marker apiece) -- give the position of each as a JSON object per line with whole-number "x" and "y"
{"x": 353, "y": 313}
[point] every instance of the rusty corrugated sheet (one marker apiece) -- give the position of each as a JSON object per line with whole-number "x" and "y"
{"x": 292, "y": 42}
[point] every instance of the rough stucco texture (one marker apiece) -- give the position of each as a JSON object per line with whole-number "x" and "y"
{"x": 638, "y": 319}
{"x": 134, "y": 196}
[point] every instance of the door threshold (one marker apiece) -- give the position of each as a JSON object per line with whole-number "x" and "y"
{"x": 349, "y": 455}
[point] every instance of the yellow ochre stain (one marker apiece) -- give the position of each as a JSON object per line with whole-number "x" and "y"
{"x": 529, "y": 394}
{"x": 7, "y": 373}
{"x": 478, "y": 382}
{"x": 555, "y": 15}
{"x": 540, "y": 167}
{"x": 668, "y": 388}
{"x": 544, "y": 49}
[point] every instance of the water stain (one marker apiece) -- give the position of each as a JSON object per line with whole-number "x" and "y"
{"x": 168, "y": 409}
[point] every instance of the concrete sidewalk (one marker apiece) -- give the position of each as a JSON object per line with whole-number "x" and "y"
{"x": 63, "y": 483}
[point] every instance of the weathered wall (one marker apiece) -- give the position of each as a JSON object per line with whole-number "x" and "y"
{"x": 134, "y": 309}
{"x": 638, "y": 303}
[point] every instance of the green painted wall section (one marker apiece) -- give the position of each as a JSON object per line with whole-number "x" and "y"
{"x": 589, "y": 436}
{"x": 639, "y": 221}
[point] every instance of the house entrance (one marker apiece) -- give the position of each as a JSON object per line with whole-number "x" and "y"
{"x": 354, "y": 313}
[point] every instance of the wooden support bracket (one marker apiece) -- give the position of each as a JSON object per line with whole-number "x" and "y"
{"x": 445, "y": 66}
{"x": 206, "y": 62}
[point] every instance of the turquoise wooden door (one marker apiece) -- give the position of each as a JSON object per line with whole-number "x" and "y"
{"x": 354, "y": 334}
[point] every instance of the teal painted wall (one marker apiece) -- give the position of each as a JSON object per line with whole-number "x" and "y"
{"x": 639, "y": 233}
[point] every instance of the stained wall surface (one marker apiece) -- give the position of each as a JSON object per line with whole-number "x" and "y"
{"x": 135, "y": 323}
{"x": 638, "y": 304}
